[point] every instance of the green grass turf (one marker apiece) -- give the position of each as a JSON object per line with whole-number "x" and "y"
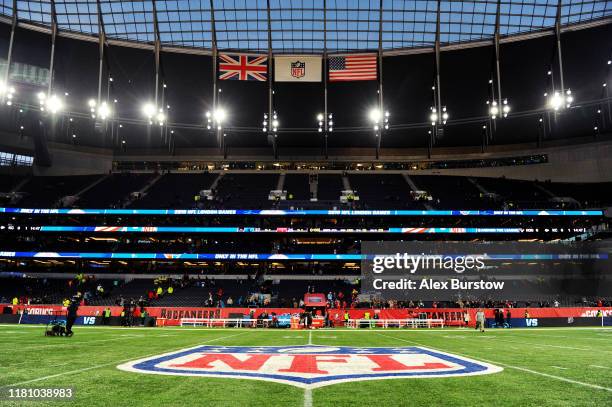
{"x": 542, "y": 367}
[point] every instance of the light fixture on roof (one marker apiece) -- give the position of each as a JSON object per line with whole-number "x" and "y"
{"x": 270, "y": 123}
{"x": 560, "y": 100}
{"x": 148, "y": 110}
{"x": 433, "y": 117}
{"x": 102, "y": 111}
{"x": 496, "y": 111}
{"x": 379, "y": 119}
{"x": 153, "y": 114}
{"x": 216, "y": 118}
{"x": 7, "y": 91}
{"x": 436, "y": 117}
{"x": 321, "y": 122}
{"x": 52, "y": 103}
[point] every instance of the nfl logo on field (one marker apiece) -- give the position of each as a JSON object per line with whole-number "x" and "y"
{"x": 298, "y": 69}
{"x": 310, "y": 366}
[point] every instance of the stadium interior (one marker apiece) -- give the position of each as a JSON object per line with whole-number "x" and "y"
{"x": 198, "y": 167}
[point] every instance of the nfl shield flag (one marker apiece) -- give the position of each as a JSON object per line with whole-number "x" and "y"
{"x": 297, "y": 68}
{"x": 243, "y": 67}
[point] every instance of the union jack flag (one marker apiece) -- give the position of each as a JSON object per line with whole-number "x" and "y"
{"x": 242, "y": 67}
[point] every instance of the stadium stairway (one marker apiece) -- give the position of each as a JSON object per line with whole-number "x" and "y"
{"x": 114, "y": 191}
{"x": 174, "y": 190}
{"x": 452, "y": 192}
{"x": 414, "y": 188}
{"x": 47, "y": 191}
{"x": 297, "y": 185}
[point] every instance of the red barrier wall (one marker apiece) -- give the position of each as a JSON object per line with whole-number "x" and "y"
{"x": 451, "y": 316}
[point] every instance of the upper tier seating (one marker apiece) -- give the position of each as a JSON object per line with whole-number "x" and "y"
{"x": 246, "y": 191}
{"x": 8, "y": 182}
{"x": 251, "y": 191}
{"x": 329, "y": 187}
{"x": 449, "y": 192}
{"x": 380, "y": 191}
{"x": 175, "y": 191}
{"x": 114, "y": 191}
{"x": 45, "y": 192}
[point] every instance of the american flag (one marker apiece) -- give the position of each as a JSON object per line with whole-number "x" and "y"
{"x": 242, "y": 67}
{"x": 358, "y": 67}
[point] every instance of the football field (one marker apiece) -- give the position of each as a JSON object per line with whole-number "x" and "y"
{"x": 541, "y": 367}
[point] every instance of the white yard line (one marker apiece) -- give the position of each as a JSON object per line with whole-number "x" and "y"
{"x": 534, "y": 344}
{"x": 307, "y": 397}
{"x": 522, "y": 369}
{"x": 75, "y": 343}
{"x": 85, "y": 369}
{"x": 308, "y": 392}
{"x": 600, "y": 367}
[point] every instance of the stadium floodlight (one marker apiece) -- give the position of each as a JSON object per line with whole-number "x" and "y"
{"x": 161, "y": 117}
{"x": 148, "y": 110}
{"x": 375, "y": 115}
{"x": 495, "y": 111}
{"x": 270, "y": 123}
{"x": 153, "y": 114}
{"x": 560, "y": 100}
{"x": 434, "y": 117}
{"x": 379, "y": 119}
{"x": 321, "y": 121}
{"x": 52, "y": 104}
{"x": 505, "y": 108}
{"x": 7, "y": 92}
{"x": 215, "y": 118}
{"x": 103, "y": 111}
{"x": 220, "y": 115}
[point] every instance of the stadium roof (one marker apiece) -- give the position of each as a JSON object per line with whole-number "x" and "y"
{"x": 305, "y": 26}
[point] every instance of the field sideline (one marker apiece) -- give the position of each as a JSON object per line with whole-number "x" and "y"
{"x": 542, "y": 367}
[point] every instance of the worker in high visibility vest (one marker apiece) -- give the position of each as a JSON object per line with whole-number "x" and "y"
{"x": 366, "y": 316}
{"x": 106, "y": 316}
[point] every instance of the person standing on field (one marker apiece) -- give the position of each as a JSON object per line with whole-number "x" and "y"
{"x": 466, "y": 318}
{"x": 480, "y": 320}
